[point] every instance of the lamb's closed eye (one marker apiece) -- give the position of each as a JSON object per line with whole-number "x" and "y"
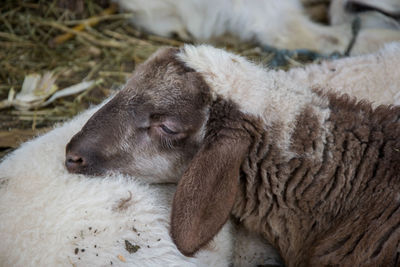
{"x": 168, "y": 130}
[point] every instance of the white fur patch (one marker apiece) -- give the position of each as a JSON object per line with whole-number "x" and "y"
{"x": 373, "y": 77}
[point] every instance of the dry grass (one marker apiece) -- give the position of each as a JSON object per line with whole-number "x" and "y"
{"x": 26, "y": 34}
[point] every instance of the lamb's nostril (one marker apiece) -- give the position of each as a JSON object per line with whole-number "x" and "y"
{"x": 73, "y": 160}
{"x": 74, "y": 163}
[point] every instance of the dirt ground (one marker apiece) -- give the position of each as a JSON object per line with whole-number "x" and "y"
{"x": 105, "y": 50}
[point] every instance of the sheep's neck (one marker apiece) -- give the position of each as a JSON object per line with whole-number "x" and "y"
{"x": 302, "y": 203}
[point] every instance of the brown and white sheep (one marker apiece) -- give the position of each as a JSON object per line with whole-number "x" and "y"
{"x": 314, "y": 172}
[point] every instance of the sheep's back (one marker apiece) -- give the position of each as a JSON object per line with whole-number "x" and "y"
{"x": 337, "y": 198}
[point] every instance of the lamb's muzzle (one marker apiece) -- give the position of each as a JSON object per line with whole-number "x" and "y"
{"x": 315, "y": 173}
{"x": 80, "y": 158}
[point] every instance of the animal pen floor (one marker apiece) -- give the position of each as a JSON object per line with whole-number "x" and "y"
{"x": 105, "y": 51}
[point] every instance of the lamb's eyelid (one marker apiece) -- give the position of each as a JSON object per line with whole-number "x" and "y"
{"x": 177, "y": 135}
{"x": 171, "y": 122}
{"x": 167, "y": 129}
{"x": 171, "y": 125}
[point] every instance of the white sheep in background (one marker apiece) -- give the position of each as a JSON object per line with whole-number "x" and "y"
{"x": 313, "y": 172}
{"x": 277, "y": 23}
{"x": 49, "y": 217}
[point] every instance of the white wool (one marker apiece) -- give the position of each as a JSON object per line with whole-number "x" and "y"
{"x": 47, "y": 213}
{"x": 375, "y": 77}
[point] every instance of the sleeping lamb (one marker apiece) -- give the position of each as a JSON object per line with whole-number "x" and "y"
{"x": 314, "y": 172}
{"x": 49, "y": 217}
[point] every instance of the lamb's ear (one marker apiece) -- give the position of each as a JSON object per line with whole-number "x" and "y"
{"x": 206, "y": 193}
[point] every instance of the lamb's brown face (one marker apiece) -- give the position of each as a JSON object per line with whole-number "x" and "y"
{"x": 152, "y": 128}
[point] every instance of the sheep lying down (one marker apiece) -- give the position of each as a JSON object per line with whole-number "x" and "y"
{"x": 314, "y": 172}
{"x": 282, "y": 24}
{"x": 49, "y": 217}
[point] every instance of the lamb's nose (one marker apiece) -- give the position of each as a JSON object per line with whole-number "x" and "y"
{"x": 75, "y": 162}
